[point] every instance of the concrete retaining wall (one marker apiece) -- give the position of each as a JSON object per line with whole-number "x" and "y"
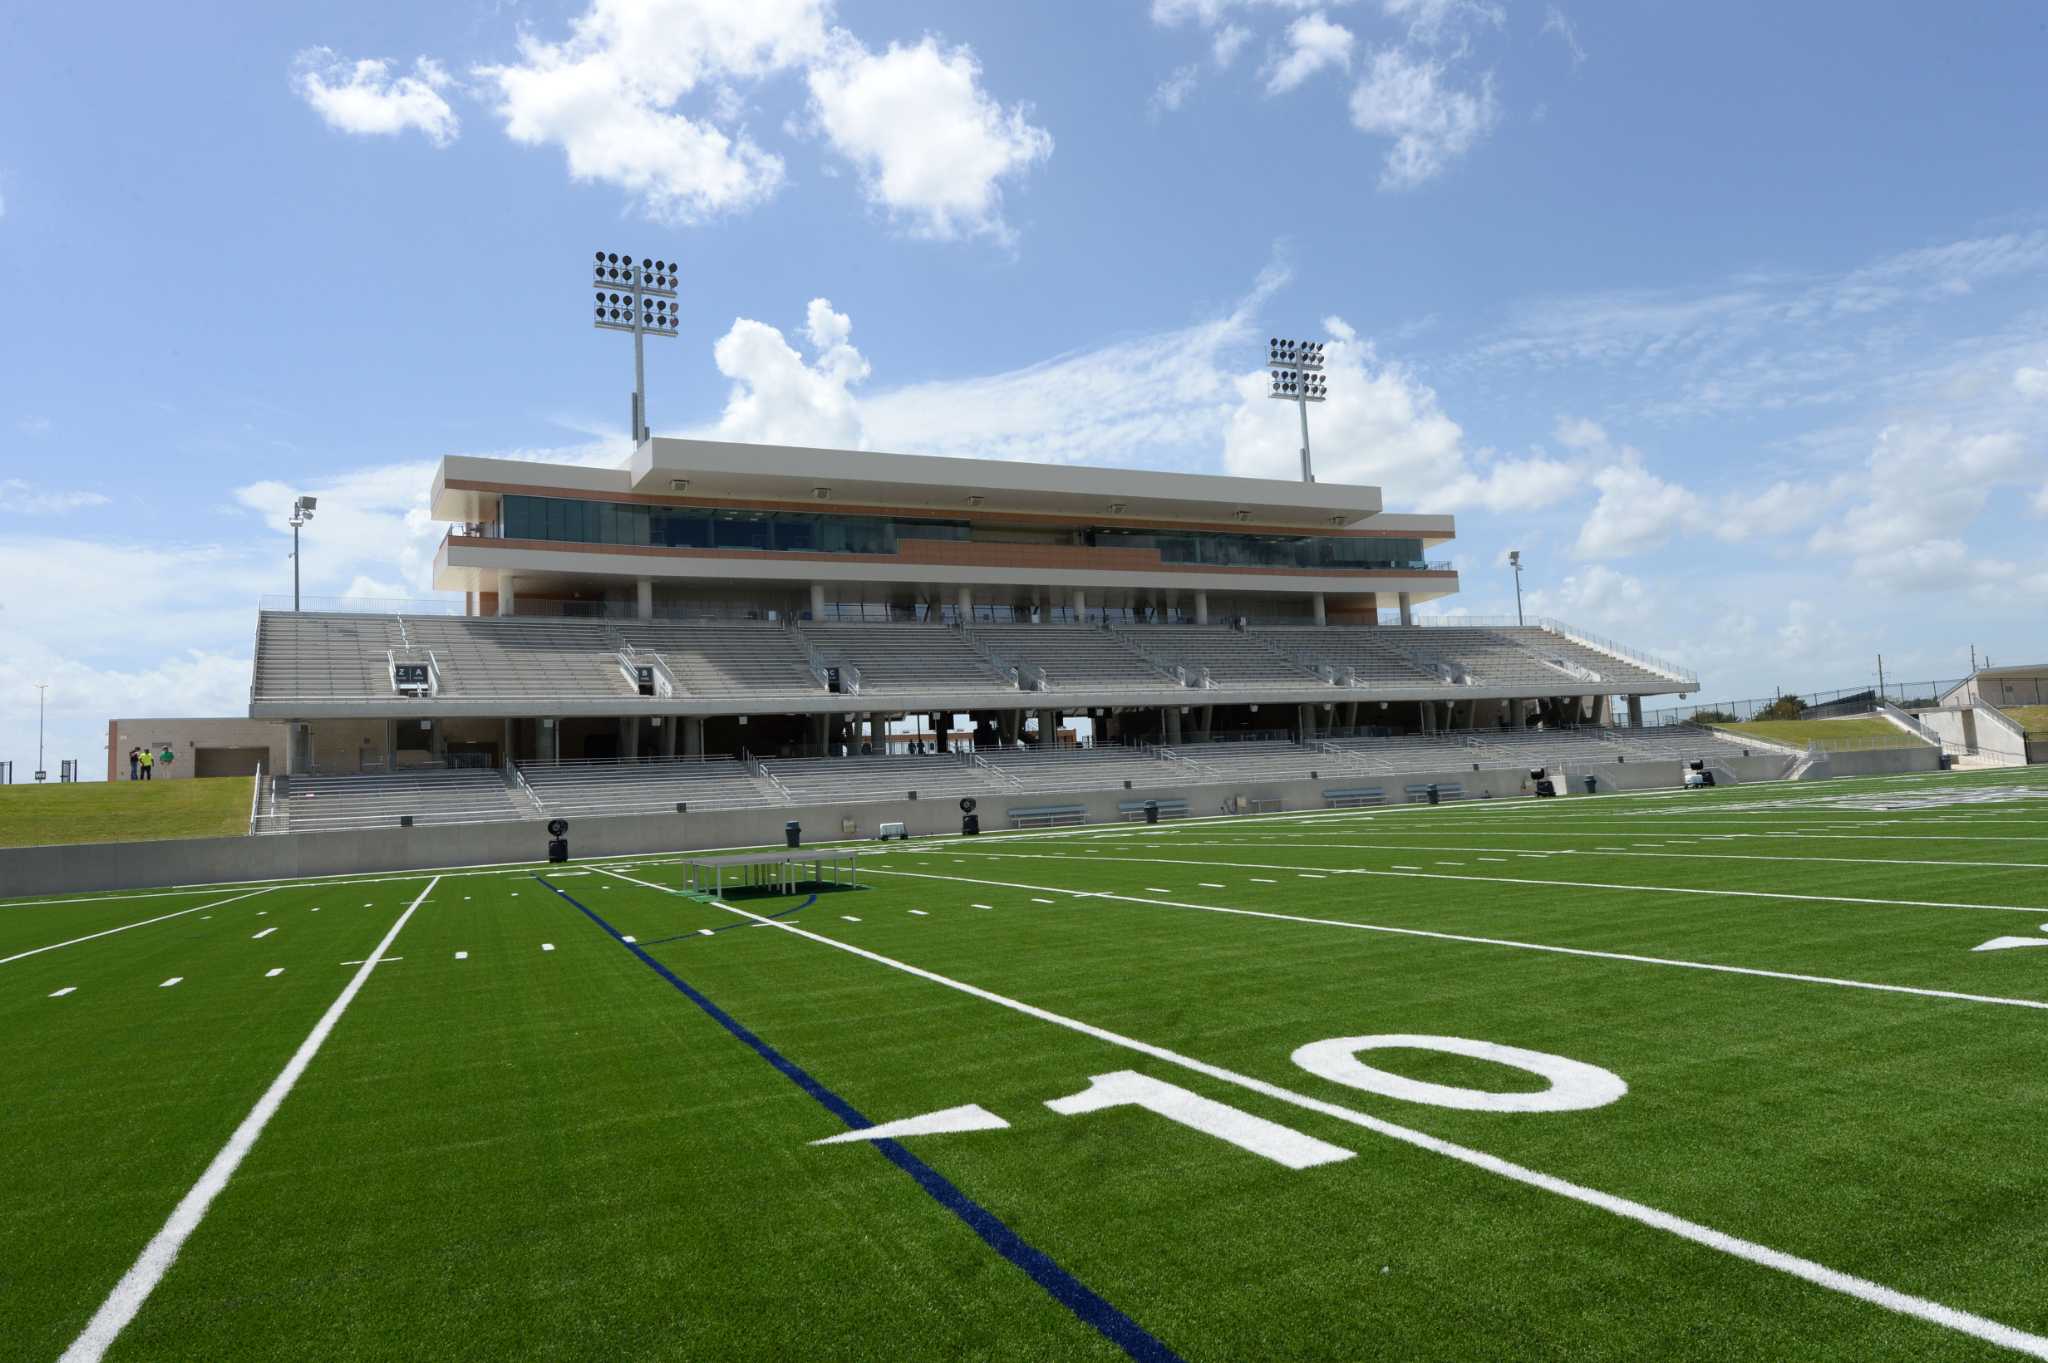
{"x": 27, "y": 871}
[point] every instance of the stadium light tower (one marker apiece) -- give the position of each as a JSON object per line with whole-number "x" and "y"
{"x": 302, "y": 511}
{"x": 42, "y": 690}
{"x": 636, "y": 298}
{"x": 1297, "y": 370}
{"x": 1515, "y": 562}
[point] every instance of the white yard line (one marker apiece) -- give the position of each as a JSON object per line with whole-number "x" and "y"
{"x": 273, "y": 972}
{"x": 1306, "y": 845}
{"x": 160, "y": 918}
{"x": 162, "y": 1251}
{"x": 1589, "y": 952}
{"x": 1399, "y": 874}
{"x": 263, "y": 934}
{"x": 67, "y": 989}
{"x": 1820, "y": 1275}
{"x": 175, "y": 979}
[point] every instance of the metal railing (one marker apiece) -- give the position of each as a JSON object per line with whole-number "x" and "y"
{"x": 1842, "y": 701}
{"x": 363, "y": 605}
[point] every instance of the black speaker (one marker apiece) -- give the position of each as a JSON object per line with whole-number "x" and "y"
{"x": 970, "y": 824}
{"x": 558, "y": 848}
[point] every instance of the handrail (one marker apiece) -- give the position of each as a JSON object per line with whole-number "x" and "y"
{"x": 1569, "y": 631}
{"x": 1012, "y": 671}
{"x": 2004, "y": 723}
{"x": 1910, "y": 724}
{"x": 255, "y": 796}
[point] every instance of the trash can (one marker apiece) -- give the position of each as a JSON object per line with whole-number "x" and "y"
{"x": 1592, "y": 784}
{"x": 793, "y": 832}
{"x": 970, "y": 825}
{"x": 1151, "y": 811}
{"x": 1434, "y": 798}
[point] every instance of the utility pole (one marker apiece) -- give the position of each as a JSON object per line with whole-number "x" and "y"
{"x": 1880, "y": 676}
{"x": 302, "y": 511}
{"x": 1515, "y": 562}
{"x": 41, "y": 689}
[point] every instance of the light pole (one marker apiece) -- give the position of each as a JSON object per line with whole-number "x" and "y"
{"x": 41, "y": 689}
{"x": 1296, "y": 367}
{"x": 302, "y": 511}
{"x": 635, "y": 298}
{"x": 1515, "y": 562}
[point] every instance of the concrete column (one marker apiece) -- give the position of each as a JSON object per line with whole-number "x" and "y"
{"x": 669, "y": 725}
{"x": 1305, "y": 721}
{"x": 507, "y": 605}
{"x": 1008, "y": 724}
{"x": 966, "y": 604}
{"x": 1321, "y": 617}
{"x": 506, "y": 750}
{"x": 437, "y": 741}
{"x": 1407, "y": 610}
{"x": 629, "y": 738}
{"x": 1048, "y": 729}
{"x": 693, "y": 736}
{"x": 1429, "y": 717}
{"x": 817, "y": 601}
{"x": 391, "y": 745}
{"x": 1080, "y": 604}
{"x": 941, "y": 723}
{"x": 1635, "y": 712}
{"x": 1170, "y": 728}
{"x": 643, "y": 598}
{"x": 1205, "y": 721}
{"x": 1201, "y": 608}
{"x": 821, "y": 733}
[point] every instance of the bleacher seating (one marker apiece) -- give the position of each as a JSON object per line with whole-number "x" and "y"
{"x": 430, "y": 795}
{"x": 321, "y": 654}
{"x": 1369, "y": 652}
{"x": 829, "y": 780}
{"x": 1082, "y": 769}
{"x": 1259, "y": 760}
{"x": 1076, "y": 657}
{"x": 726, "y": 658}
{"x": 1233, "y": 658}
{"x": 649, "y": 786}
{"x": 923, "y": 658}
{"x": 487, "y": 655}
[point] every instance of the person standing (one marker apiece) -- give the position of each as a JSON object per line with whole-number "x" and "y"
{"x": 166, "y": 757}
{"x": 135, "y": 764}
{"x": 148, "y": 761}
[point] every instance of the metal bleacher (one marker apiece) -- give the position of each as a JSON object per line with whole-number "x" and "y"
{"x": 647, "y": 786}
{"x": 431, "y": 795}
{"x": 1076, "y": 657}
{"x": 1232, "y": 658}
{"x": 922, "y": 658}
{"x": 726, "y": 658}
{"x": 827, "y": 780}
{"x": 1077, "y": 769}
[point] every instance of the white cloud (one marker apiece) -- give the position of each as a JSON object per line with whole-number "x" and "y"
{"x": 1922, "y": 488}
{"x": 33, "y": 425}
{"x": 1636, "y": 510}
{"x": 22, "y": 498}
{"x": 1554, "y": 21}
{"x": 1783, "y": 507}
{"x": 1228, "y": 42}
{"x": 1170, "y": 94}
{"x": 932, "y": 146}
{"x": 609, "y": 97}
{"x": 778, "y": 397}
{"x": 364, "y": 97}
{"x": 2031, "y": 383}
{"x": 1313, "y": 44}
{"x": 1432, "y": 22}
{"x": 1432, "y": 124}
{"x": 1595, "y": 595}
{"x": 1209, "y": 13}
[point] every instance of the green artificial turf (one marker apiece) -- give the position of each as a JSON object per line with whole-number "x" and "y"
{"x": 554, "y": 1154}
{"x": 123, "y": 811}
{"x": 1826, "y": 732}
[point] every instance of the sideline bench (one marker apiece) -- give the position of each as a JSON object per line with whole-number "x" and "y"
{"x": 1353, "y": 797}
{"x": 1134, "y": 810}
{"x": 1047, "y": 816}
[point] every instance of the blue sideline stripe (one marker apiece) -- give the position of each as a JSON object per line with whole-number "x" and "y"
{"x": 727, "y": 928}
{"x": 1069, "y": 1291}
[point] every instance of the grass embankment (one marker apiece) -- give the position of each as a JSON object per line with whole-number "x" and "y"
{"x": 1829, "y": 733}
{"x": 2032, "y": 718}
{"x": 123, "y": 811}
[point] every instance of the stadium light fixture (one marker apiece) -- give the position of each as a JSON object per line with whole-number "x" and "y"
{"x": 1296, "y": 368}
{"x": 1515, "y": 562}
{"x": 42, "y": 690}
{"x": 302, "y": 511}
{"x": 636, "y": 296}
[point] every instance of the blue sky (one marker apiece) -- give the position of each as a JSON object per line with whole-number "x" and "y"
{"x": 1733, "y": 319}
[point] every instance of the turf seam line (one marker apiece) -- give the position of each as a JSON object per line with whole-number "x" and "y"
{"x": 1087, "y": 1305}
{"x": 162, "y": 918}
{"x": 1807, "y": 1270}
{"x": 161, "y": 1252}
